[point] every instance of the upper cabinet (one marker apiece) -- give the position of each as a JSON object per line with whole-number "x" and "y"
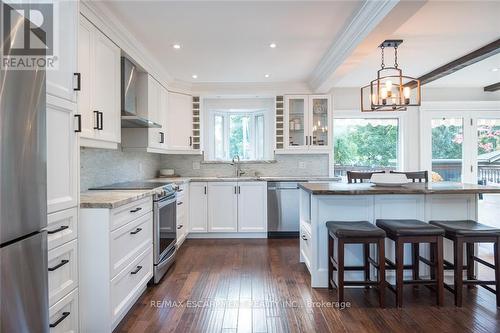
{"x": 99, "y": 95}
{"x": 180, "y": 123}
{"x": 62, "y": 81}
{"x": 306, "y": 125}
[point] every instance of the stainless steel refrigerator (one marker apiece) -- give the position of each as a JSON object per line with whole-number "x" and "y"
{"x": 23, "y": 203}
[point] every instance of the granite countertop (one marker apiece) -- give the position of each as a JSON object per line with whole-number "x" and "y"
{"x": 112, "y": 198}
{"x": 332, "y": 188}
{"x": 187, "y": 179}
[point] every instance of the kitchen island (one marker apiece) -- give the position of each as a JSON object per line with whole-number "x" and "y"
{"x": 322, "y": 202}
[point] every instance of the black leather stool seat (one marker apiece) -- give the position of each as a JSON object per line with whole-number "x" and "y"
{"x": 466, "y": 228}
{"x": 409, "y": 228}
{"x": 354, "y": 229}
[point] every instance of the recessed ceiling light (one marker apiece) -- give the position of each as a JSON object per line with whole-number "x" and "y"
{"x": 494, "y": 69}
{"x": 272, "y": 45}
{"x": 267, "y": 75}
{"x": 176, "y": 46}
{"x": 194, "y": 76}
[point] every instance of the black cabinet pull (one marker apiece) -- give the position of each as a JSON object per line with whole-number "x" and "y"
{"x": 78, "y": 81}
{"x": 136, "y": 270}
{"x": 239, "y": 189}
{"x": 136, "y": 231}
{"x": 96, "y": 113}
{"x": 101, "y": 122}
{"x": 180, "y": 190}
{"x": 205, "y": 190}
{"x": 235, "y": 190}
{"x": 79, "y": 123}
{"x": 162, "y": 137}
{"x": 58, "y": 321}
{"x": 136, "y": 210}
{"x": 62, "y": 263}
{"x": 180, "y": 203}
{"x": 307, "y": 140}
{"x": 190, "y": 141}
{"x": 61, "y": 228}
{"x": 179, "y": 226}
{"x": 304, "y": 237}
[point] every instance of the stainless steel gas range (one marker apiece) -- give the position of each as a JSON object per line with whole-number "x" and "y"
{"x": 164, "y": 222}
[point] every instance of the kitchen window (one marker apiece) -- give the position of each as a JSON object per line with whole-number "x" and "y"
{"x": 365, "y": 144}
{"x": 238, "y": 127}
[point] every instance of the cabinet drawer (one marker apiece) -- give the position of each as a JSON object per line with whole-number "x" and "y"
{"x": 129, "y": 241}
{"x": 125, "y": 287}
{"x": 64, "y": 314}
{"x": 62, "y": 227}
{"x": 123, "y": 215}
{"x": 305, "y": 245}
{"x": 63, "y": 270}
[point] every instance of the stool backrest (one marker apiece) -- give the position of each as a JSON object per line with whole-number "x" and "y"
{"x": 416, "y": 176}
{"x": 359, "y": 177}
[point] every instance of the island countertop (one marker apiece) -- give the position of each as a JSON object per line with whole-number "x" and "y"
{"x": 333, "y": 188}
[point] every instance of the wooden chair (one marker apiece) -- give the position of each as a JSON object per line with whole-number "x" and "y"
{"x": 355, "y": 176}
{"x": 416, "y": 176}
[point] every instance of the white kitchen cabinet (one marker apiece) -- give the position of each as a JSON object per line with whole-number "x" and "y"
{"x": 307, "y": 124}
{"x": 62, "y": 154}
{"x": 182, "y": 213}
{"x": 180, "y": 123}
{"x": 99, "y": 95}
{"x": 63, "y": 271}
{"x": 252, "y": 206}
{"x": 116, "y": 262}
{"x": 63, "y": 316}
{"x": 62, "y": 80}
{"x": 198, "y": 205}
{"x": 222, "y": 207}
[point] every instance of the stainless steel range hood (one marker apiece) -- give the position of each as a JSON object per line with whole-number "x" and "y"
{"x": 130, "y": 116}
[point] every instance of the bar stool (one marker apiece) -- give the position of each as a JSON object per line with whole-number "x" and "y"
{"x": 355, "y": 232}
{"x": 415, "y": 232}
{"x": 469, "y": 232}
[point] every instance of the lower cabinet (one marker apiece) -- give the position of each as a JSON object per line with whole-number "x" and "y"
{"x": 116, "y": 262}
{"x": 182, "y": 214}
{"x": 228, "y": 207}
{"x": 63, "y": 315}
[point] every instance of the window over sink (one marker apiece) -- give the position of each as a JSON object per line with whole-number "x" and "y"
{"x": 238, "y": 126}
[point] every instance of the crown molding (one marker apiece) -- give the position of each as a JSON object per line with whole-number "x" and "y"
{"x": 250, "y": 88}
{"x": 112, "y": 27}
{"x": 364, "y": 21}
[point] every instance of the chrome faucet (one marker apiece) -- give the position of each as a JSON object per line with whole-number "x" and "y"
{"x": 237, "y": 164}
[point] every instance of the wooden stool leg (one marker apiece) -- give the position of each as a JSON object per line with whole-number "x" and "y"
{"x": 458, "y": 262}
{"x": 399, "y": 272}
{"x": 340, "y": 270}
{"x": 432, "y": 258}
{"x": 469, "y": 248}
{"x": 439, "y": 271}
{"x": 330, "y": 264}
{"x": 381, "y": 272}
{"x": 416, "y": 262}
{"x": 496, "y": 248}
{"x": 366, "y": 254}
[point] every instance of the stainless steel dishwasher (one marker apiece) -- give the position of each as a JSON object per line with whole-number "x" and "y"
{"x": 282, "y": 209}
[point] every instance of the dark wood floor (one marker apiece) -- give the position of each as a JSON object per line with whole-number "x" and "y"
{"x": 225, "y": 276}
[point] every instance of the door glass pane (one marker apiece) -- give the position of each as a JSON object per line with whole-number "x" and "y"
{"x": 365, "y": 145}
{"x": 320, "y": 121}
{"x": 239, "y": 137}
{"x": 447, "y": 145}
{"x": 296, "y": 119}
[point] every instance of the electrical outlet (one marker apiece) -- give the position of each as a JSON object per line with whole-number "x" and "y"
{"x": 196, "y": 165}
{"x": 302, "y": 165}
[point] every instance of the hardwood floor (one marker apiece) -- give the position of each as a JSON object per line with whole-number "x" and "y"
{"x": 244, "y": 286}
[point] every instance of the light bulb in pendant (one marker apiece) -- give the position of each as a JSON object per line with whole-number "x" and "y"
{"x": 406, "y": 93}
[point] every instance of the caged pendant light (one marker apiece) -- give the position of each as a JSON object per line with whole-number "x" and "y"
{"x": 391, "y": 90}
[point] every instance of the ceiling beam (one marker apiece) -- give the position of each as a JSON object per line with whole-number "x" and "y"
{"x": 457, "y": 64}
{"x": 492, "y": 87}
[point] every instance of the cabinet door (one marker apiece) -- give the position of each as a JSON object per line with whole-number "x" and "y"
{"x": 154, "y": 137}
{"x": 319, "y": 120}
{"x": 60, "y": 81}
{"x": 296, "y": 122}
{"x": 179, "y": 121}
{"x": 252, "y": 206}
{"x": 222, "y": 207}
{"x": 85, "y": 51}
{"x": 198, "y": 207}
{"x": 106, "y": 84}
{"x": 62, "y": 155}
{"x": 162, "y": 117}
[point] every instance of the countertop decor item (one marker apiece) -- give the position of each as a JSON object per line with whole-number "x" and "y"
{"x": 388, "y": 179}
{"x": 391, "y": 90}
{"x": 167, "y": 172}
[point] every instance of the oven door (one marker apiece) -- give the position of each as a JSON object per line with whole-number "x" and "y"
{"x": 165, "y": 220}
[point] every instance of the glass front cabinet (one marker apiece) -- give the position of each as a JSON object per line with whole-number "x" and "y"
{"x": 307, "y": 123}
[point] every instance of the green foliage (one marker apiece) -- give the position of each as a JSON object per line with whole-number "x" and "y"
{"x": 367, "y": 145}
{"x": 488, "y": 139}
{"x": 447, "y": 142}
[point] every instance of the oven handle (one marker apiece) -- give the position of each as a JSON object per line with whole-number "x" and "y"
{"x": 166, "y": 201}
